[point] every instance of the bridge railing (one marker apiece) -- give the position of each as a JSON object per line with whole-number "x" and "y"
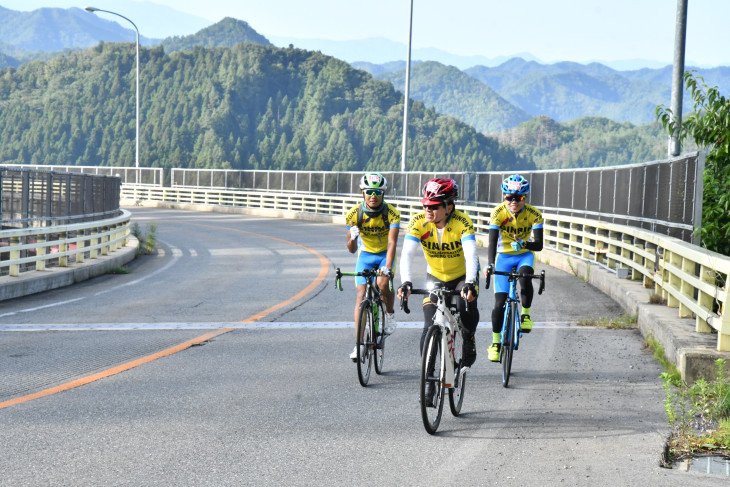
{"x": 688, "y": 277}
{"x": 35, "y": 248}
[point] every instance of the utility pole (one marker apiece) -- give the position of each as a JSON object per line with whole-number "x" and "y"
{"x": 680, "y": 35}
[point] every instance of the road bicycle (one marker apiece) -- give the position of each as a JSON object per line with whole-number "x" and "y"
{"x": 370, "y": 341}
{"x": 441, "y": 357}
{"x": 512, "y": 323}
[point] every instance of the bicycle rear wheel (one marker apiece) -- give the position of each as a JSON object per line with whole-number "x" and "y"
{"x": 456, "y": 394}
{"x": 432, "y": 408}
{"x": 364, "y": 343}
{"x": 379, "y": 345}
{"x": 508, "y": 347}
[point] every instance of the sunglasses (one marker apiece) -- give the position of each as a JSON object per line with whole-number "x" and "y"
{"x": 374, "y": 192}
{"x": 432, "y": 207}
{"x": 514, "y": 197}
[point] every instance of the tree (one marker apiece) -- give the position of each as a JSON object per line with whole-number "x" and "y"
{"x": 709, "y": 126}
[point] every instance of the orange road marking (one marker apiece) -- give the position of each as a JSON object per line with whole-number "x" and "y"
{"x": 183, "y": 346}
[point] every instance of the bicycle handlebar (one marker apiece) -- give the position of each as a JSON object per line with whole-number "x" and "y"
{"x": 366, "y": 273}
{"x": 436, "y": 290}
{"x": 516, "y": 275}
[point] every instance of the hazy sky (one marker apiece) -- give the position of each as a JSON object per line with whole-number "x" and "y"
{"x": 551, "y": 30}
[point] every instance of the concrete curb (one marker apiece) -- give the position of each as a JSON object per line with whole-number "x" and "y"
{"x": 693, "y": 353}
{"x": 32, "y": 282}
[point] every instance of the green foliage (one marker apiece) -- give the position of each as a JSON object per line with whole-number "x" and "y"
{"x": 453, "y": 92}
{"x": 709, "y": 127}
{"x": 585, "y": 142}
{"x": 699, "y": 415}
{"x": 245, "y": 107}
{"x": 145, "y": 240}
{"x": 226, "y": 33}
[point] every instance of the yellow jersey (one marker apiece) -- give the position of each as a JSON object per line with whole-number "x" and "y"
{"x": 373, "y": 234}
{"x": 510, "y": 225}
{"x": 446, "y": 260}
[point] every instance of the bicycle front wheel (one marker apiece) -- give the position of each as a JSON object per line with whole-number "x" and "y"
{"x": 379, "y": 347}
{"x": 364, "y": 343}
{"x": 456, "y": 395}
{"x": 508, "y": 345}
{"x": 431, "y": 390}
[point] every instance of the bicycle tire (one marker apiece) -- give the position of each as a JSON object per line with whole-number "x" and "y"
{"x": 508, "y": 347}
{"x": 456, "y": 394}
{"x": 431, "y": 358}
{"x": 379, "y": 345}
{"x": 364, "y": 342}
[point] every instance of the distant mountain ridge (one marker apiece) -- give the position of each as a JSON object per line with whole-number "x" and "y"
{"x": 226, "y": 33}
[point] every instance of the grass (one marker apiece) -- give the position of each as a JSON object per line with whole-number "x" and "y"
{"x": 623, "y": 322}
{"x": 119, "y": 270}
{"x": 698, "y": 414}
{"x": 147, "y": 239}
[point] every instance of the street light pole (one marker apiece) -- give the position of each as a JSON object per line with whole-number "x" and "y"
{"x": 136, "y": 153}
{"x": 404, "y": 149}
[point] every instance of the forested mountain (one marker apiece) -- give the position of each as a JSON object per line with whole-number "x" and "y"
{"x": 249, "y": 106}
{"x": 586, "y": 142}
{"x": 226, "y": 33}
{"x": 453, "y": 92}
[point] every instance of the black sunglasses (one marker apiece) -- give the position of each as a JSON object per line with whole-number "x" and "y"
{"x": 432, "y": 207}
{"x": 514, "y": 197}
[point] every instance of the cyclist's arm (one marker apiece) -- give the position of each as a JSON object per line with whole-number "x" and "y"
{"x": 351, "y": 243}
{"x": 469, "y": 244}
{"x": 536, "y": 244}
{"x": 410, "y": 246}
{"x": 492, "y": 249}
{"x": 392, "y": 244}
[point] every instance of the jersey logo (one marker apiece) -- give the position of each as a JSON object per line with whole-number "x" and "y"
{"x": 425, "y": 235}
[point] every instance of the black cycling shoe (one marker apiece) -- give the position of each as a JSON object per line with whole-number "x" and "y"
{"x": 468, "y": 352}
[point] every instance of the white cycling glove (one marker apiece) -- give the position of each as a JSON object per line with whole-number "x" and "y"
{"x": 384, "y": 271}
{"x": 354, "y": 232}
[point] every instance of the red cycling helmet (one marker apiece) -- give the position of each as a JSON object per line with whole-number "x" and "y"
{"x": 440, "y": 191}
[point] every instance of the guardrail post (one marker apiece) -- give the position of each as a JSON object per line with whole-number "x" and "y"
{"x": 687, "y": 289}
{"x": 80, "y": 243}
{"x": 613, "y": 249}
{"x": 40, "y": 252}
{"x": 672, "y": 279}
{"x": 573, "y": 248}
{"x": 105, "y": 240}
{"x": 14, "y": 269}
{"x": 62, "y": 247}
{"x": 601, "y": 246}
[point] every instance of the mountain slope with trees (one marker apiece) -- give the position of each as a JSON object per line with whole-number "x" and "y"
{"x": 226, "y": 33}
{"x": 586, "y": 142}
{"x": 452, "y": 92}
{"x": 245, "y": 107}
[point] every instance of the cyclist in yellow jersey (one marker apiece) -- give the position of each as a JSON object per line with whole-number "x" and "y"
{"x": 515, "y": 234}
{"x": 446, "y": 237}
{"x": 377, "y": 242}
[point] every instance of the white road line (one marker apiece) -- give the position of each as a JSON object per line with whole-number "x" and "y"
{"x": 203, "y": 326}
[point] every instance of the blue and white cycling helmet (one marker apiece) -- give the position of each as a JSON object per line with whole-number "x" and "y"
{"x": 515, "y": 184}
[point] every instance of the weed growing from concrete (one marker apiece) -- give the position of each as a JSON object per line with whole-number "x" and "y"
{"x": 146, "y": 240}
{"x": 623, "y": 322}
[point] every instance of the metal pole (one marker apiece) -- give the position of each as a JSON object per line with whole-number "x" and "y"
{"x": 136, "y": 138}
{"x": 674, "y": 147}
{"x": 405, "y": 104}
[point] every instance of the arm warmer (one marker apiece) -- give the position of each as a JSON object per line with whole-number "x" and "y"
{"x": 406, "y": 259}
{"x": 536, "y": 244}
{"x": 472, "y": 261}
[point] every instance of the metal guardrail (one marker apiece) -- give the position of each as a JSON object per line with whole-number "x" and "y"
{"x": 35, "y": 248}
{"x": 660, "y": 196}
{"x": 690, "y": 278}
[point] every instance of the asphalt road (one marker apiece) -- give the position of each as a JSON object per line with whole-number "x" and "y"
{"x": 274, "y": 400}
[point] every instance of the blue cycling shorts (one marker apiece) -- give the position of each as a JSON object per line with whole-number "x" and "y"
{"x": 368, "y": 260}
{"x": 505, "y": 263}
